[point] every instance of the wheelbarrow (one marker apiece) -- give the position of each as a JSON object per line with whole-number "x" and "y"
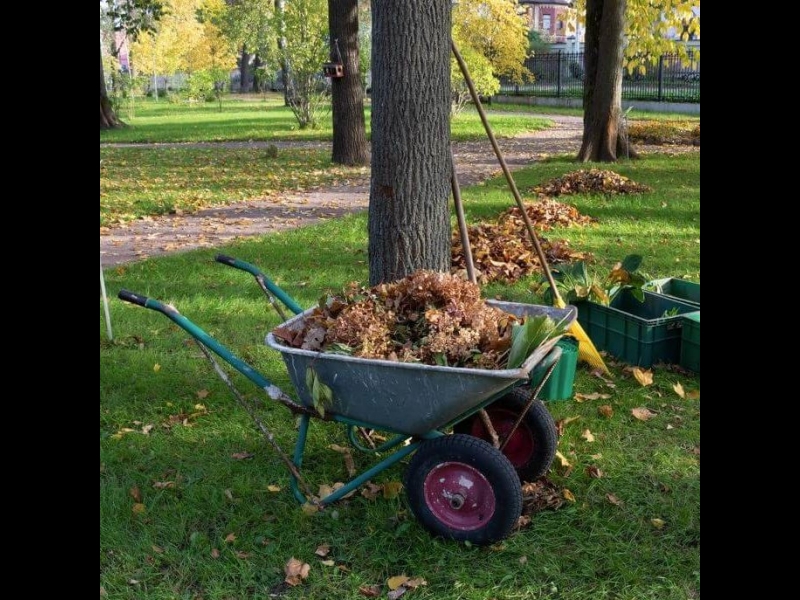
{"x": 474, "y": 433}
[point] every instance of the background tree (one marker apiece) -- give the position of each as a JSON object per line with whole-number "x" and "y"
{"x": 305, "y": 24}
{"x": 130, "y": 17}
{"x": 623, "y": 34}
{"x": 492, "y": 36}
{"x": 409, "y": 222}
{"x": 347, "y": 93}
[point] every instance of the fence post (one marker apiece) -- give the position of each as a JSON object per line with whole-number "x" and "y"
{"x": 558, "y": 87}
{"x": 660, "y": 77}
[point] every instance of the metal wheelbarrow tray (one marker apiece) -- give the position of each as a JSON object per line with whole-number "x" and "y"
{"x": 402, "y": 397}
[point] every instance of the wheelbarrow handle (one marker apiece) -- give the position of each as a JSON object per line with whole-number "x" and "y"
{"x": 267, "y": 285}
{"x": 128, "y": 296}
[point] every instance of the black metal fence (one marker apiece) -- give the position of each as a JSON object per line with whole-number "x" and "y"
{"x": 560, "y": 75}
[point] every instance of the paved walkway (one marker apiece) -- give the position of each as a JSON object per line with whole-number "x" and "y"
{"x": 212, "y": 227}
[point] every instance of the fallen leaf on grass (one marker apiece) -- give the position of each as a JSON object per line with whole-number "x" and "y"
{"x": 163, "y": 485}
{"x": 202, "y": 394}
{"x": 568, "y": 496}
{"x": 147, "y": 428}
{"x": 242, "y": 455}
{"x": 587, "y": 435}
{"x": 229, "y": 495}
{"x": 562, "y": 459}
{"x": 156, "y": 367}
{"x": 296, "y": 571}
{"x": 138, "y": 508}
{"x": 395, "y": 594}
{"x": 371, "y": 490}
{"x": 396, "y": 581}
{"x": 644, "y": 378}
{"x": 230, "y": 538}
{"x": 391, "y": 489}
{"x": 415, "y": 583}
{"x": 370, "y": 591}
{"x": 613, "y": 500}
{"x": 328, "y": 563}
{"x": 658, "y": 523}
{"x": 642, "y": 413}
{"x": 693, "y": 395}
{"x": 273, "y": 488}
{"x": 157, "y": 549}
{"x": 310, "y": 509}
{"x": 606, "y": 411}
{"x": 214, "y": 553}
{"x": 594, "y": 472}
{"x": 323, "y": 550}
{"x": 135, "y": 493}
{"x": 593, "y": 396}
{"x": 679, "y": 389}
{"x": 349, "y": 464}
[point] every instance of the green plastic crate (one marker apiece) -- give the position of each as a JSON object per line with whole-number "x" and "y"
{"x": 636, "y": 332}
{"x": 690, "y": 342}
{"x": 680, "y": 289}
{"x": 560, "y": 384}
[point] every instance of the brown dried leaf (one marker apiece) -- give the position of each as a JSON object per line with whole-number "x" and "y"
{"x": 202, "y": 394}
{"x": 679, "y": 389}
{"x": 644, "y": 377}
{"x": 242, "y": 555}
{"x": 642, "y": 413}
{"x": 614, "y": 500}
{"x": 135, "y": 493}
{"x": 371, "y": 490}
{"x": 594, "y": 472}
{"x": 296, "y": 571}
{"x": 587, "y": 435}
{"x": 230, "y": 538}
{"x": 415, "y": 583}
{"x": 693, "y": 395}
{"x": 323, "y": 550}
{"x": 147, "y": 428}
{"x": 214, "y": 553}
{"x": 229, "y": 494}
{"x": 242, "y": 455}
{"x": 606, "y": 411}
{"x": 163, "y": 485}
{"x": 157, "y": 549}
{"x": 370, "y": 591}
{"x": 568, "y": 496}
{"x": 395, "y": 594}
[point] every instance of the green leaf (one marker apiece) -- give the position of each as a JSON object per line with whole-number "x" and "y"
{"x": 528, "y": 336}
{"x": 321, "y": 394}
{"x": 631, "y": 262}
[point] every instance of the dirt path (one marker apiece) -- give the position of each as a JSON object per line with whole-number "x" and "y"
{"x": 475, "y": 162}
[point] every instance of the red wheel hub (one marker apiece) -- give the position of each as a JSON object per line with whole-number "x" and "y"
{"x": 520, "y": 448}
{"x": 459, "y": 496}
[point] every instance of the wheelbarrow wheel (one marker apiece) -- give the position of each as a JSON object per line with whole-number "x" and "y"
{"x": 533, "y": 446}
{"x": 460, "y": 487}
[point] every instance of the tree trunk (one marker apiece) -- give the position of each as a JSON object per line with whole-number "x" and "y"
{"x": 244, "y": 71}
{"x": 604, "y": 139}
{"x": 349, "y": 130}
{"x": 258, "y": 83}
{"x": 108, "y": 119}
{"x": 279, "y": 8}
{"x": 409, "y": 222}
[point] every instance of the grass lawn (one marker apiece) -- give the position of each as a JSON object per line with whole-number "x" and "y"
{"x": 265, "y": 118}
{"x": 195, "y": 504}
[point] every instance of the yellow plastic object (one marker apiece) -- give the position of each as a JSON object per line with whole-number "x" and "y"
{"x": 586, "y": 350}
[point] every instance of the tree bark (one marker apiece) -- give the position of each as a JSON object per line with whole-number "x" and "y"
{"x": 108, "y": 119}
{"x": 347, "y": 95}
{"x": 409, "y": 222}
{"x": 604, "y": 140}
{"x": 244, "y": 71}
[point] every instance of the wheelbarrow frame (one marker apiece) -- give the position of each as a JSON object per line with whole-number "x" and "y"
{"x": 402, "y": 444}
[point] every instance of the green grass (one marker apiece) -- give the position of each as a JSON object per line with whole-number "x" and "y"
{"x": 174, "y": 545}
{"x": 266, "y": 119}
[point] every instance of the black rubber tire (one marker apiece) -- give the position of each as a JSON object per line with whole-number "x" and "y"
{"x": 491, "y": 503}
{"x": 537, "y": 430}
